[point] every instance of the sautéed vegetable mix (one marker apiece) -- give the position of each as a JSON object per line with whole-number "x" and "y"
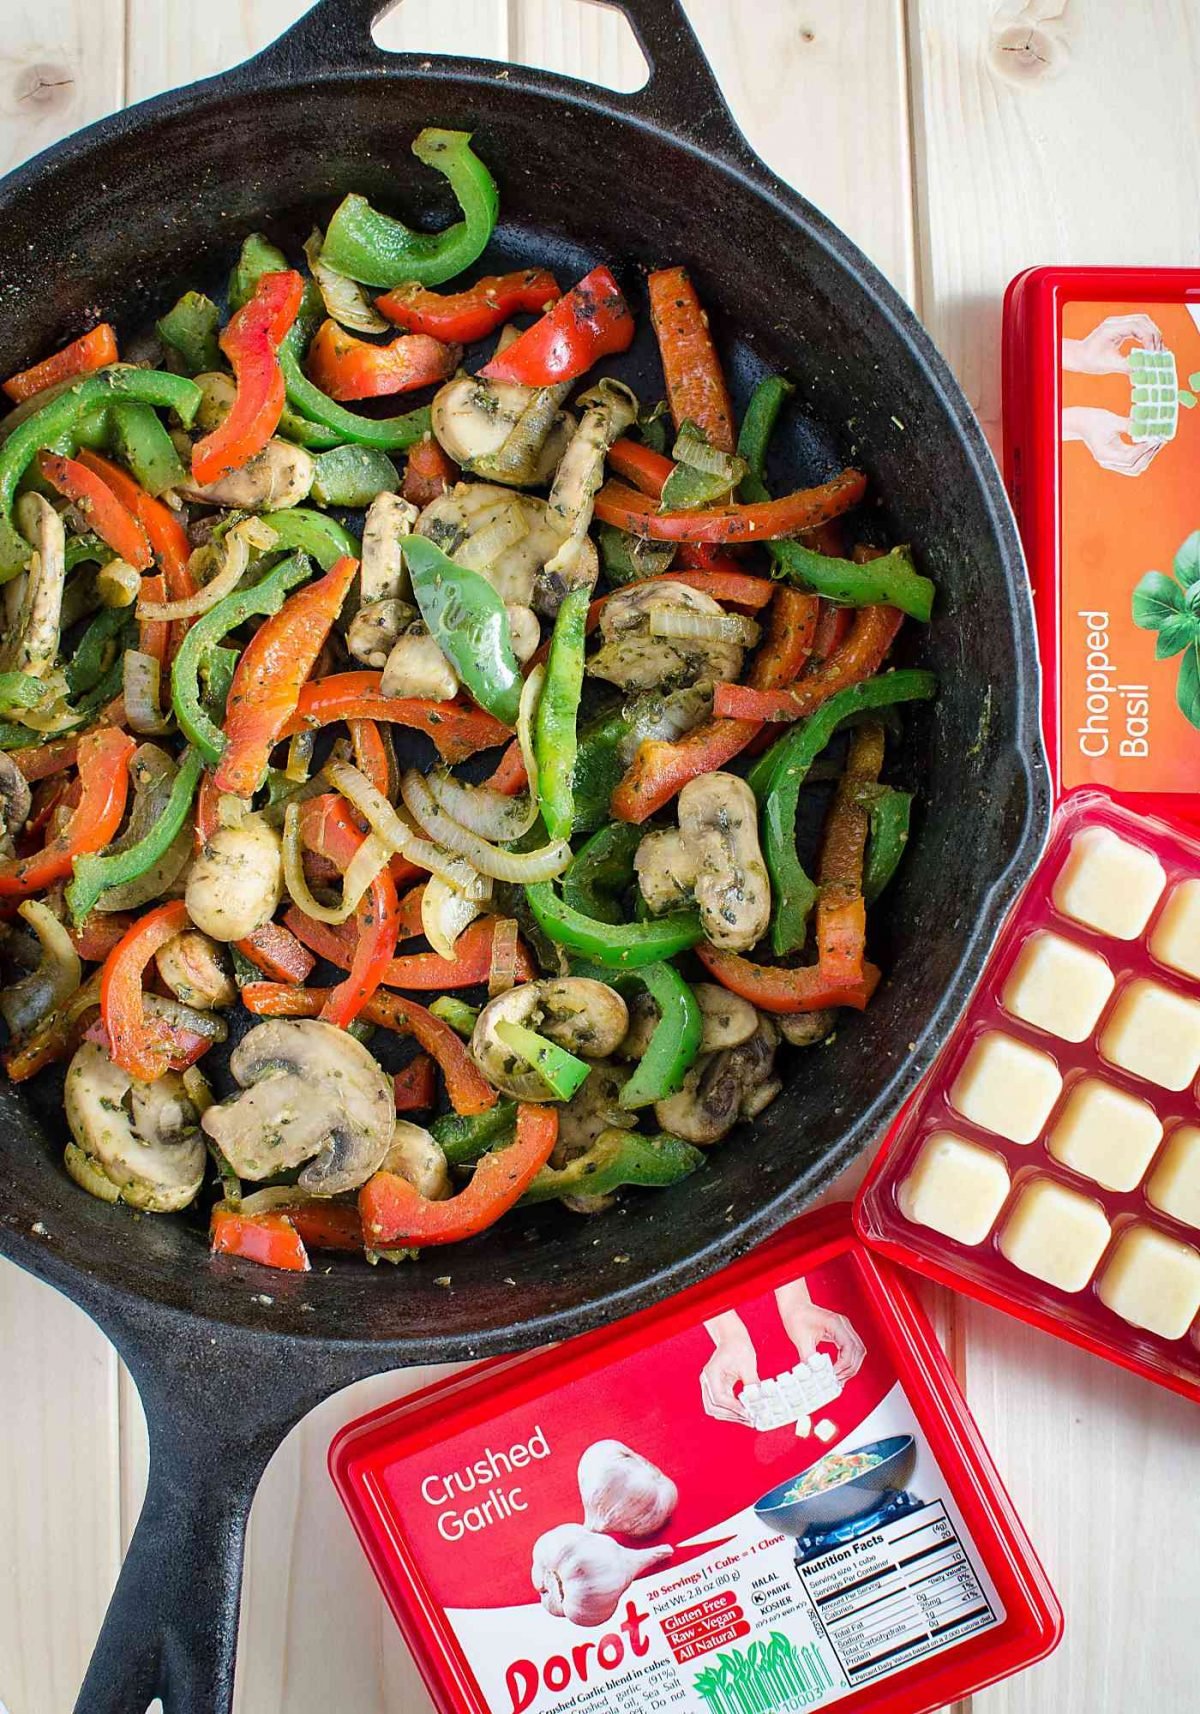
{"x": 559, "y": 971}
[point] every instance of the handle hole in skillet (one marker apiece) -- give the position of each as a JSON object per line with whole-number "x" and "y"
{"x": 552, "y": 35}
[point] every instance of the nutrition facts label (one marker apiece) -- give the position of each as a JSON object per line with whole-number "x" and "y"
{"x": 901, "y": 1592}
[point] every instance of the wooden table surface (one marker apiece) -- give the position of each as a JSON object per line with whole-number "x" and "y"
{"x": 957, "y": 141}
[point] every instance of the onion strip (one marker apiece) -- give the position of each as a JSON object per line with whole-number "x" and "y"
{"x": 400, "y": 838}
{"x": 502, "y": 971}
{"x": 45, "y": 990}
{"x": 344, "y": 299}
{"x": 480, "y": 810}
{"x": 445, "y": 913}
{"x": 523, "y": 866}
{"x": 366, "y": 863}
{"x": 687, "y": 625}
{"x": 141, "y": 687}
{"x": 479, "y": 551}
{"x": 236, "y": 544}
{"x": 531, "y": 695}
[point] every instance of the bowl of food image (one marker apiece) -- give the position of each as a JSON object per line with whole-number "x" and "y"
{"x": 839, "y": 1487}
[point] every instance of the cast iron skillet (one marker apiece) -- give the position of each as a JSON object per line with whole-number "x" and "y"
{"x": 118, "y": 219}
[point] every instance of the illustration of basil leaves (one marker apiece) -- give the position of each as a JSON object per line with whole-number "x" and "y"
{"x": 1170, "y": 606}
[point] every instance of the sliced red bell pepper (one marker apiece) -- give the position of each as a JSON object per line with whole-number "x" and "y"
{"x": 251, "y": 342}
{"x": 833, "y": 627}
{"x": 104, "y": 785}
{"x": 99, "y": 932}
{"x": 764, "y": 521}
{"x": 409, "y": 914}
{"x": 334, "y": 942}
{"x": 590, "y": 322}
{"x": 164, "y": 531}
{"x": 277, "y": 953}
{"x": 267, "y": 683}
{"x": 841, "y": 907}
{"x": 396, "y": 1215}
{"x": 509, "y": 776}
{"x": 428, "y": 473}
{"x": 864, "y": 651}
{"x": 780, "y": 988}
{"x": 418, "y": 971}
{"x": 92, "y": 350}
{"x": 640, "y": 466}
{"x": 375, "y": 918}
{"x": 696, "y": 390}
{"x": 416, "y": 1085}
{"x": 458, "y": 732}
{"x": 41, "y": 761}
{"x": 370, "y": 753}
{"x": 329, "y": 832}
{"x": 327, "y": 1225}
{"x": 468, "y": 1089}
{"x": 140, "y": 1044}
{"x": 271, "y": 1239}
{"x": 99, "y": 508}
{"x": 348, "y": 368}
{"x": 461, "y": 317}
{"x": 154, "y": 635}
{"x": 727, "y": 583}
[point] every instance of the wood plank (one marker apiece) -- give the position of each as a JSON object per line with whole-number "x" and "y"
{"x": 1024, "y": 155}
{"x": 63, "y": 67}
{"x": 60, "y": 1543}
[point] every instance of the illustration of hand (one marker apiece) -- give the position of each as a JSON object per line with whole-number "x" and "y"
{"x": 1105, "y": 435}
{"x": 733, "y": 1361}
{"x": 1100, "y": 352}
{"x": 808, "y": 1325}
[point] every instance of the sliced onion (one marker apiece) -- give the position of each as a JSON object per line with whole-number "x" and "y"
{"x": 693, "y": 450}
{"x": 141, "y": 686}
{"x": 344, "y": 298}
{"x": 445, "y": 913}
{"x": 365, "y": 868}
{"x": 523, "y": 866}
{"x": 502, "y": 971}
{"x": 56, "y": 978}
{"x": 531, "y": 695}
{"x": 181, "y": 1017}
{"x": 231, "y": 810}
{"x": 117, "y": 583}
{"x": 235, "y": 546}
{"x": 300, "y": 755}
{"x": 399, "y": 837}
{"x": 479, "y": 551}
{"x": 273, "y": 1197}
{"x": 686, "y": 624}
{"x": 481, "y": 810}
{"x": 198, "y": 1090}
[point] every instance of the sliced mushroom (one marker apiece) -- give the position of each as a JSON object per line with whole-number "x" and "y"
{"x": 57, "y": 975}
{"x": 32, "y": 644}
{"x": 382, "y": 576}
{"x": 665, "y": 869}
{"x": 723, "y": 1087}
{"x": 217, "y": 393}
{"x": 416, "y": 666}
{"x": 16, "y": 799}
{"x": 595, "y": 1107}
{"x": 629, "y": 656}
{"x": 416, "y": 1156}
{"x": 193, "y": 969}
{"x": 728, "y": 1019}
{"x": 609, "y": 409}
{"x": 312, "y": 1093}
{"x": 587, "y": 1018}
{"x": 501, "y": 430}
{"x": 718, "y": 819}
{"x": 143, "y": 1139}
{"x": 524, "y": 630}
{"x": 644, "y": 1019}
{"x": 470, "y": 508}
{"x": 806, "y": 1029}
{"x": 275, "y": 478}
{"x": 372, "y": 633}
{"x": 236, "y": 882}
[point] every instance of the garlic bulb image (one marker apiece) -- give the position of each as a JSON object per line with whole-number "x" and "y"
{"x": 623, "y": 1491}
{"x": 581, "y": 1576}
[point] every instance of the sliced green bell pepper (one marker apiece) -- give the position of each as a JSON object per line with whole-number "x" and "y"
{"x": 294, "y": 427}
{"x": 463, "y": 1137}
{"x": 94, "y": 653}
{"x": 675, "y": 1041}
{"x": 21, "y": 690}
{"x": 190, "y": 329}
{"x": 456, "y": 1013}
{"x": 206, "y": 632}
{"x": 95, "y": 874}
{"x": 94, "y": 431}
{"x": 59, "y": 416}
{"x": 555, "y": 739}
{"x": 629, "y": 559}
{"x": 888, "y": 817}
{"x": 758, "y": 425}
{"x": 217, "y": 668}
{"x": 352, "y": 476}
{"x": 601, "y": 870}
{"x": 559, "y": 1070}
{"x": 389, "y": 434}
{"x": 468, "y": 621}
{"x": 777, "y": 777}
{"x": 302, "y": 530}
{"x": 617, "y": 946}
{"x": 83, "y": 550}
{"x": 145, "y": 446}
{"x": 258, "y": 256}
{"x": 618, "y": 1158}
{"x": 892, "y": 579}
{"x": 378, "y": 251}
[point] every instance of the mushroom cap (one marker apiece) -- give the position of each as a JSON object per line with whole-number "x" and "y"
{"x": 142, "y": 1137}
{"x": 312, "y": 1093}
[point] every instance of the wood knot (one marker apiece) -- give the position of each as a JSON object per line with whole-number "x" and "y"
{"x": 1026, "y": 46}
{"x": 44, "y": 85}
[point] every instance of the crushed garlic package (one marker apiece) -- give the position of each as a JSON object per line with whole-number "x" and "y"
{"x": 620, "y": 1523}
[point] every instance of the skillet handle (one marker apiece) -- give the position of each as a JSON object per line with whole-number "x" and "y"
{"x": 681, "y": 91}
{"x": 171, "y": 1626}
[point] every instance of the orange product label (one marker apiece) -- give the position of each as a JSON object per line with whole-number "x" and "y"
{"x": 1129, "y": 617}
